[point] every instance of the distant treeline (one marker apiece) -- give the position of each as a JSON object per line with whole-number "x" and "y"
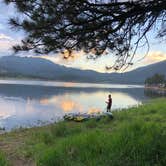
{"x": 156, "y": 79}
{"x": 19, "y": 76}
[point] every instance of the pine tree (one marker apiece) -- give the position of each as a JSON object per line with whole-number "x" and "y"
{"x": 94, "y": 26}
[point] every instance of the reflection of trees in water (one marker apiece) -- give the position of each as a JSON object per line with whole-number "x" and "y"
{"x": 154, "y": 93}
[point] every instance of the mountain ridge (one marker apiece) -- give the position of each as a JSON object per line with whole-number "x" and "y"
{"x": 14, "y": 66}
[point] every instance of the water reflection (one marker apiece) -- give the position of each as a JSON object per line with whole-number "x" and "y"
{"x": 153, "y": 93}
{"x": 33, "y": 105}
{"x": 65, "y": 84}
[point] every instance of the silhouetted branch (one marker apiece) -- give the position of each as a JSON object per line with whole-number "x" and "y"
{"x": 117, "y": 26}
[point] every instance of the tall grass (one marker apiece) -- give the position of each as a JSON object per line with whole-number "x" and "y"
{"x": 3, "y": 161}
{"x": 132, "y": 145}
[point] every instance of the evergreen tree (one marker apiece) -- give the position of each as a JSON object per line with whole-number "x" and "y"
{"x": 156, "y": 79}
{"x": 95, "y": 26}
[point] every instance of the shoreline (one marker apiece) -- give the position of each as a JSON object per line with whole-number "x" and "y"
{"x": 155, "y": 88}
{"x": 53, "y": 80}
{"x": 138, "y": 127}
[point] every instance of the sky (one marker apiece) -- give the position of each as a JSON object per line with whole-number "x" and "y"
{"x": 10, "y": 37}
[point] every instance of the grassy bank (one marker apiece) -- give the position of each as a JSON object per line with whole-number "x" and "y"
{"x": 3, "y": 160}
{"x": 135, "y": 137}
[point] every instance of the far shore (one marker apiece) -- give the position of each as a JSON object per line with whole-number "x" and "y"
{"x": 155, "y": 88}
{"x": 67, "y": 81}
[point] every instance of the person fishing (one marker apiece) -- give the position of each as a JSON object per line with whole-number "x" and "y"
{"x": 109, "y": 103}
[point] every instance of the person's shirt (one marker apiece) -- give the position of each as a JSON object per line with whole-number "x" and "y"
{"x": 110, "y": 101}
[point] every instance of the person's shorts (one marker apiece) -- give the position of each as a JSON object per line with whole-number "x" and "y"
{"x": 108, "y": 107}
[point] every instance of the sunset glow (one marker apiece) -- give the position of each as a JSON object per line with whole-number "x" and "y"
{"x": 94, "y": 111}
{"x": 67, "y": 106}
{"x": 80, "y": 61}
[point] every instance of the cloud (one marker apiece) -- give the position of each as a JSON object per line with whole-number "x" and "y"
{"x": 6, "y": 43}
{"x": 150, "y": 58}
{"x": 8, "y": 36}
{"x": 154, "y": 57}
{"x": 5, "y": 37}
{"x": 79, "y": 60}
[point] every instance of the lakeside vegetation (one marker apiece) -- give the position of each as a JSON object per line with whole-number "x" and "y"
{"x": 135, "y": 137}
{"x": 156, "y": 81}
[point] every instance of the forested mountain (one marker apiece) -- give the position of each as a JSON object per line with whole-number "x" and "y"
{"x": 14, "y": 66}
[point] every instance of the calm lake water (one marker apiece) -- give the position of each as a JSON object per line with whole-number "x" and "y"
{"x": 34, "y": 103}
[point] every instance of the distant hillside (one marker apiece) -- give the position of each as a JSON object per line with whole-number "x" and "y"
{"x": 42, "y": 68}
{"x": 139, "y": 75}
{"x": 13, "y": 66}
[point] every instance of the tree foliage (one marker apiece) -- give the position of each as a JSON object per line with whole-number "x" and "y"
{"x": 94, "y": 26}
{"x": 156, "y": 79}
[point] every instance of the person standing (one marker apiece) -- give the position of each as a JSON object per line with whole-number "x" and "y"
{"x": 109, "y": 103}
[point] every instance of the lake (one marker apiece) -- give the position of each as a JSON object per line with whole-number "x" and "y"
{"x": 25, "y": 103}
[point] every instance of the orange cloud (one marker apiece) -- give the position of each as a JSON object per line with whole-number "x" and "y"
{"x": 151, "y": 57}
{"x": 155, "y": 56}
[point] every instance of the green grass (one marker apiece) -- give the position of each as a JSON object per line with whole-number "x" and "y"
{"x": 135, "y": 137}
{"x": 129, "y": 145}
{"x": 3, "y": 161}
